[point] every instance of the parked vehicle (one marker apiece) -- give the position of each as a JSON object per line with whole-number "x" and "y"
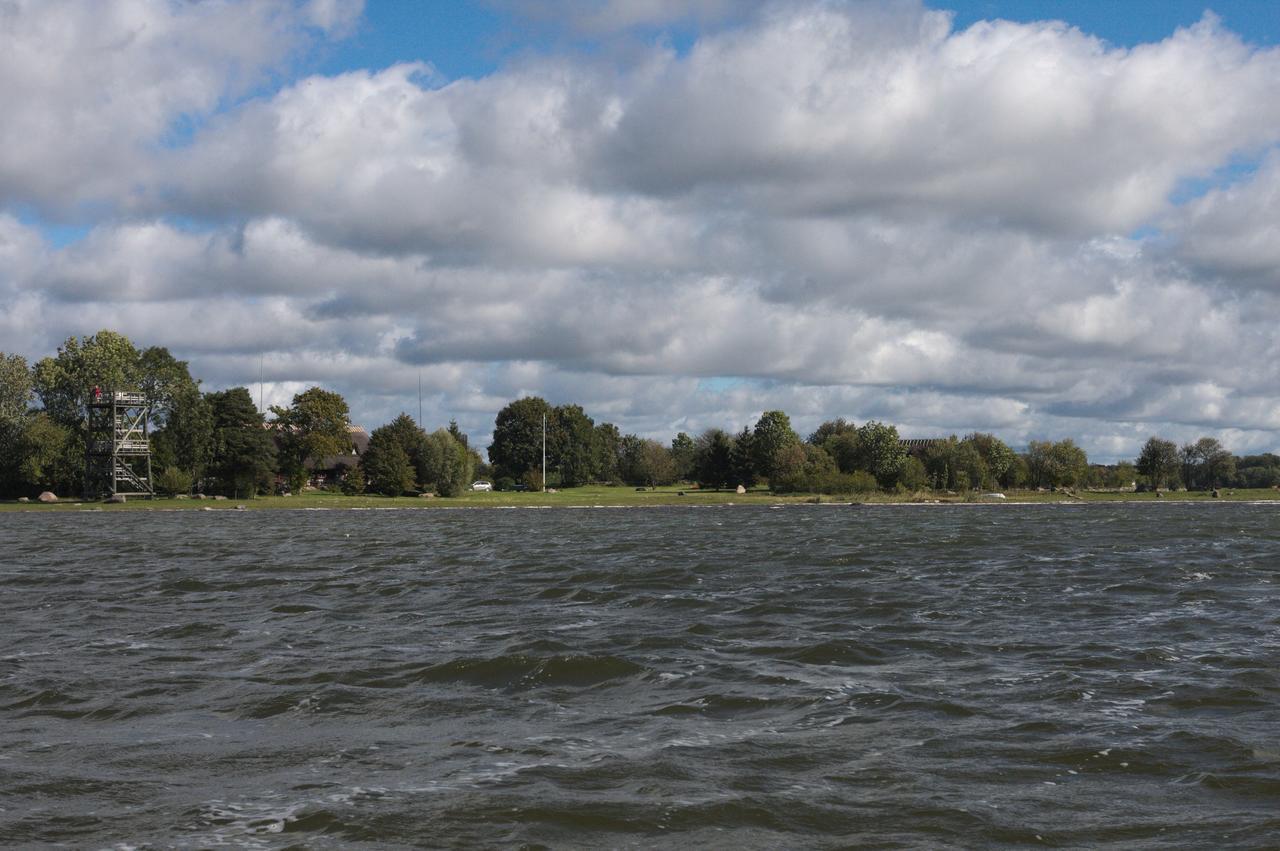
{"x": 482, "y": 486}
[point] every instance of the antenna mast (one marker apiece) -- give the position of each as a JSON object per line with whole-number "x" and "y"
{"x": 544, "y": 453}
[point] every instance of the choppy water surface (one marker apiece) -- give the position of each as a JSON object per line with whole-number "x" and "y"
{"x": 752, "y": 677}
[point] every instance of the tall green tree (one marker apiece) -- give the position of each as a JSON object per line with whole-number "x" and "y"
{"x": 742, "y": 460}
{"x": 571, "y": 440}
{"x": 1061, "y": 464}
{"x": 313, "y": 427}
{"x": 16, "y": 395}
{"x": 1206, "y": 464}
{"x": 186, "y": 439}
{"x": 713, "y": 463}
{"x": 391, "y": 447}
{"x": 449, "y": 465}
{"x": 772, "y": 432}
{"x": 49, "y": 456}
{"x": 998, "y": 459}
{"x": 829, "y": 430}
{"x": 242, "y": 453}
{"x": 517, "y": 437}
{"x": 106, "y": 360}
{"x": 1158, "y": 461}
{"x": 940, "y": 463}
{"x": 607, "y": 440}
{"x": 631, "y": 459}
{"x": 386, "y": 465}
{"x": 410, "y": 437}
{"x": 17, "y": 390}
{"x": 788, "y": 469}
{"x": 684, "y": 453}
{"x": 656, "y": 466}
{"x": 167, "y": 384}
{"x": 844, "y": 447}
{"x": 880, "y": 452}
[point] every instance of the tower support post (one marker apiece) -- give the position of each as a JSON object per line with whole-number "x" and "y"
{"x": 117, "y": 445}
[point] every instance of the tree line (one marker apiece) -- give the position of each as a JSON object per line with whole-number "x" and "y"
{"x": 215, "y": 442}
{"x": 839, "y": 457}
{"x": 219, "y": 442}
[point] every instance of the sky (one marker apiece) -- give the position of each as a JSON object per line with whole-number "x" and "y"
{"x": 1039, "y": 219}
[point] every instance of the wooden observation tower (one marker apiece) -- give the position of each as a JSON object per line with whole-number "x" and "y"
{"x": 117, "y": 447}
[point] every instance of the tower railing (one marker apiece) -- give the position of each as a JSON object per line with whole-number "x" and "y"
{"x": 117, "y": 444}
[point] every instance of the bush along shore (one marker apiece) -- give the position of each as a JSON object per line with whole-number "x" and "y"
{"x": 220, "y": 445}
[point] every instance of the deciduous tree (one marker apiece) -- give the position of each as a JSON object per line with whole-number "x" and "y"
{"x": 517, "y": 437}
{"x": 772, "y": 432}
{"x": 1158, "y": 461}
{"x": 314, "y": 426}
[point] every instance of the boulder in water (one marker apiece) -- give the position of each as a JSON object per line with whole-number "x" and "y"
{"x": 47, "y": 497}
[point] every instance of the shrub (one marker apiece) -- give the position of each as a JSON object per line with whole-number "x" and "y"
{"x": 173, "y": 480}
{"x": 353, "y": 480}
{"x": 859, "y": 481}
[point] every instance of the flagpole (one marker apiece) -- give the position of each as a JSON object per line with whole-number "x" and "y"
{"x": 544, "y": 453}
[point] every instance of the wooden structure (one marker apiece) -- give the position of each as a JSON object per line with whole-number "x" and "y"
{"x": 117, "y": 445}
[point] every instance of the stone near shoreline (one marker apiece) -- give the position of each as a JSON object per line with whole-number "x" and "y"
{"x": 24, "y": 499}
{"x": 47, "y": 497}
{"x": 117, "y": 498}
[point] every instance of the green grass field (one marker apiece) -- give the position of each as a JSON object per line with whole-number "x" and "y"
{"x": 626, "y": 497}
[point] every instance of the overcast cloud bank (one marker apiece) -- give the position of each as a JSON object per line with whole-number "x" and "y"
{"x": 831, "y": 208}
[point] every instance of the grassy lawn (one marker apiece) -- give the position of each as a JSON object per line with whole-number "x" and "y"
{"x": 603, "y": 495}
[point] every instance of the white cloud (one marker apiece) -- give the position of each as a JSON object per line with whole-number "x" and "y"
{"x": 90, "y": 91}
{"x": 851, "y": 207}
{"x": 1233, "y": 233}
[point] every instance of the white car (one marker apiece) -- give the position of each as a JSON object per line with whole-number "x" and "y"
{"x": 481, "y": 486}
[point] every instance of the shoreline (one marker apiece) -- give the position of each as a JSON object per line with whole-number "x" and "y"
{"x": 611, "y": 497}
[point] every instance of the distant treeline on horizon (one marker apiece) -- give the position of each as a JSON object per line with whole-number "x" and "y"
{"x": 219, "y": 442}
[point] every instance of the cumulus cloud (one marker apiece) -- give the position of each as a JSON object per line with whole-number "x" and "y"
{"x": 1233, "y": 233}
{"x": 834, "y": 208}
{"x": 91, "y": 91}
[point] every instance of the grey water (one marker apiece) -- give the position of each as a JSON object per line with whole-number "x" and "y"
{"x": 750, "y": 677}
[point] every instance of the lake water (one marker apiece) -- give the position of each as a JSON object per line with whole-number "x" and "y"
{"x": 808, "y": 676}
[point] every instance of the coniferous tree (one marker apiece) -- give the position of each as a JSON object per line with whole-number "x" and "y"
{"x": 742, "y": 467}
{"x": 713, "y": 461}
{"x": 242, "y": 454}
